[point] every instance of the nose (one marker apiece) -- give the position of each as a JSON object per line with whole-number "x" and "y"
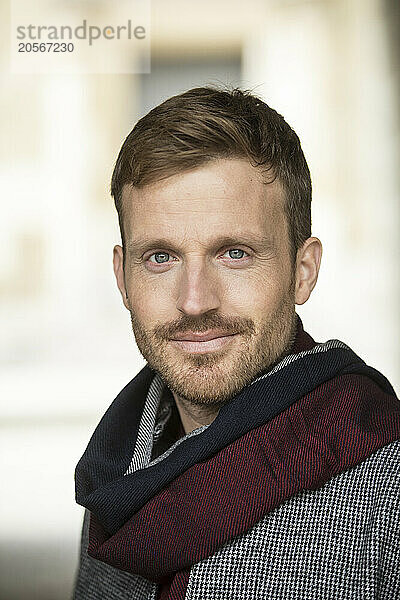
{"x": 197, "y": 290}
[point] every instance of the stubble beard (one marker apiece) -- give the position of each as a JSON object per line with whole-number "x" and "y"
{"x": 212, "y": 379}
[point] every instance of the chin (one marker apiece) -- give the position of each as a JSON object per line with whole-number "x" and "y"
{"x": 205, "y": 383}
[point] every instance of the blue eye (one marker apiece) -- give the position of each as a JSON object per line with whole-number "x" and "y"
{"x": 160, "y": 257}
{"x": 236, "y": 253}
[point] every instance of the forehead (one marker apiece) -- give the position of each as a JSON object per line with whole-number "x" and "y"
{"x": 223, "y": 197}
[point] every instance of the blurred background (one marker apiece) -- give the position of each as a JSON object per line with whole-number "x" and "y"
{"x": 331, "y": 68}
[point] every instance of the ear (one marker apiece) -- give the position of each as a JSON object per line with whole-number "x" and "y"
{"x": 307, "y": 268}
{"x": 118, "y": 264}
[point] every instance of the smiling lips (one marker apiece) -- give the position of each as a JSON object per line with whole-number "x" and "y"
{"x": 202, "y": 342}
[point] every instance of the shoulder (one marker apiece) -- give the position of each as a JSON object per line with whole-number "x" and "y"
{"x": 382, "y": 469}
{"x": 370, "y": 489}
{"x": 384, "y": 463}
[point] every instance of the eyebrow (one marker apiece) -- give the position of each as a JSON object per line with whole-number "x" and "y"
{"x": 141, "y": 245}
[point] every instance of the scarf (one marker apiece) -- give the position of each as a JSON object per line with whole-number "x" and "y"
{"x": 318, "y": 412}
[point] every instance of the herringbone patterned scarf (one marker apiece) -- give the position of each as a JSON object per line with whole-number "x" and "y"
{"x": 317, "y": 413}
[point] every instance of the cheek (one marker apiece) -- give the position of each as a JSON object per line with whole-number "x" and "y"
{"x": 150, "y": 302}
{"x": 254, "y": 295}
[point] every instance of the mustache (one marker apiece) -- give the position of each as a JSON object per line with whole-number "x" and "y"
{"x": 203, "y": 323}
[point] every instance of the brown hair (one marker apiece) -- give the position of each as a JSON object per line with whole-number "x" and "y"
{"x": 206, "y": 123}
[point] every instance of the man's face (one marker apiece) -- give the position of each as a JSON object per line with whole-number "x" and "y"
{"x": 208, "y": 277}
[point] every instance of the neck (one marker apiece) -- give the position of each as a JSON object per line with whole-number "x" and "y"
{"x": 194, "y": 416}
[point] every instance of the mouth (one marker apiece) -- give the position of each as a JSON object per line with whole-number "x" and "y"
{"x": 202, "y": 342}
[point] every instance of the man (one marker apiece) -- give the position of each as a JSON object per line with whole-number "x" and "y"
{"x": 244, "y": 460}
